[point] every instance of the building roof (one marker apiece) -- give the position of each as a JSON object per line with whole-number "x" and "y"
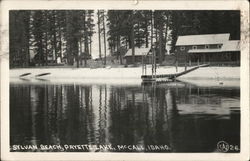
{"x": 138, "y": 52}
{"x": 232, "y": 45}
{"x": 202, "y": 39}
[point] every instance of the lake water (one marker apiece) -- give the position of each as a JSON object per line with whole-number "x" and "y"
{"x": 173, "y": 117}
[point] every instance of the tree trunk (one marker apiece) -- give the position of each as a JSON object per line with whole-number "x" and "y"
{"x": 99, "y": 35}
{"x": 104, "y": 37}
{"x": 127, "y": 42}
{"x": 119, "y": 47}
{"x": 46, "y": 39}
{"x": 133, "y": 44}
{"x": 146, "y": 31}
{"x": 80, "y": 41}
{"x": 76, "y": 49}
{"x": 89, "y": 42}
{"x": 138, "y": 35}
{"x": 86, "y": 50}
{"x": 156, "y": 35}
{"x": 46, "y": 48}
{"x": 41, "y": 53}
{"x": 160, "y": 43}
{"x": 54, "y": 36}
{"x": 117, "y": 51}
{"x": 28, "y": 39}
{"x": 166, "y": 34}
{"x": 60, "y": 42}
{"x": 152, "y": 28}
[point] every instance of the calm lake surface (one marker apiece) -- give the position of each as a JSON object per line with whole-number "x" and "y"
{"x": 175, "y": 117}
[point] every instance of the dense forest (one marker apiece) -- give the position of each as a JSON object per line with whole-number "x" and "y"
{"x": 45, "y": 37}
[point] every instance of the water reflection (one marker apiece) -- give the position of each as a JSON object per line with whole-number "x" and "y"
{"x": 184, "y": 117}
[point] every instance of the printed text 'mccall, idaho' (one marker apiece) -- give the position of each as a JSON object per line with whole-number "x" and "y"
{"x": 87, "y": 147}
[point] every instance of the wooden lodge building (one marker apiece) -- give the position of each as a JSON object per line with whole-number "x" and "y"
{"x": 215, "y": 49}
{"x": 141, "y": 54}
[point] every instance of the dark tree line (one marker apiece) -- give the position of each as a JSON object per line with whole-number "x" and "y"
{"x": 66, "y": 35}
{"x": 19, "y": 38}
{"x": 101, "y": 22}
{"x": 129, "y": 29}
{"x": 204, "y": 22}
{"x": 52, "y": 36}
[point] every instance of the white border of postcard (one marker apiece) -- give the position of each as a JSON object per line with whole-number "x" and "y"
{"x": 7, "y": 5}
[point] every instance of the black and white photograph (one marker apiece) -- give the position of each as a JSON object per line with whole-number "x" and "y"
{"x": 126, "y": 81}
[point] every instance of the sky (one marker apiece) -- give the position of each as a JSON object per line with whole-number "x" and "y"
{"x": 95, "y": 43}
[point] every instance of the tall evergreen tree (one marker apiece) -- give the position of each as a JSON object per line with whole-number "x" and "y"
{"x": 99, "y": 33}
{"x": 104, "y": 36}
{"x": 19, "y": 38}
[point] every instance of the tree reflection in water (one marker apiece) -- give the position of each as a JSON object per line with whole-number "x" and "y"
{"x": 184, "y": 117}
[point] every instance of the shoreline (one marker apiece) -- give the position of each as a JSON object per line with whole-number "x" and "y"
{"x": 204, "y": 76}
{"x": 130, "y": 72}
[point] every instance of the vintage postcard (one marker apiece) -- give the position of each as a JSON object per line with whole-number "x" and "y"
{"x": 124, "y": 80}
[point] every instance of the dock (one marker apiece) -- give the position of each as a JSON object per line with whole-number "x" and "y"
{"x": 168, "y": 77}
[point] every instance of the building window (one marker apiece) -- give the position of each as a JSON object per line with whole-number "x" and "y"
{"x": 194, "y": 47}
{"x": 219, "y": 46}
{"x": 206, "y": 46}
{"x": 182, "y": 48}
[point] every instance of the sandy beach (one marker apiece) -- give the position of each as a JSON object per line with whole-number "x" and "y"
{"x": 205, "y": 76}
{"x": 133, "y": 72}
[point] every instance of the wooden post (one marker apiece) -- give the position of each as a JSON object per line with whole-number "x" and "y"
{"x": 142, "y": 65}
{"x": 153, "y": 63}
{"x": 185, "y": 61}
{"x": 176, "y": 65}
{"x": 176, "y": 62}
{"x": 204, "y": 58}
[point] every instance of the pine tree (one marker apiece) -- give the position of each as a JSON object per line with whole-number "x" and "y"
{"x": 99, "y": 34}
{"x": 38, "y": 32}
{"x": 104, "y": 37}
{"x": 19, "y": 38}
